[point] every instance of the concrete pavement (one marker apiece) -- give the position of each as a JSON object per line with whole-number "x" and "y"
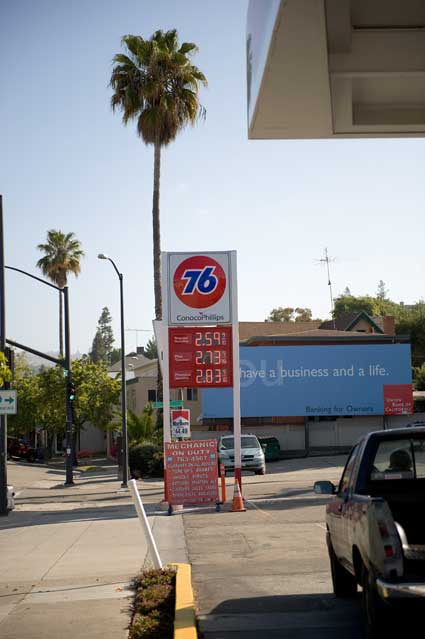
{"x": 265, "y": 573}
{"x": 67, "y": 554}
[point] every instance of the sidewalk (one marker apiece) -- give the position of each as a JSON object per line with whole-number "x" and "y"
{"x": 67, "y": 554}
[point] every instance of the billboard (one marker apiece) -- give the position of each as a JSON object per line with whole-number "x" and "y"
{"x": 318, "y": 381}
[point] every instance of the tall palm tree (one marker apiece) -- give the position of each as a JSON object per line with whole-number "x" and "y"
{"x": 156, "y": 84}
{"x": 62, "y": 256}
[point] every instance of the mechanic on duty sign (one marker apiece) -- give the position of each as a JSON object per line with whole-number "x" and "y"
{"x": 199, "y": 288}
{"x": 192, "y": 472}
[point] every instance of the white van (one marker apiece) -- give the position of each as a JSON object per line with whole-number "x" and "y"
{"x": 252, "y": 455}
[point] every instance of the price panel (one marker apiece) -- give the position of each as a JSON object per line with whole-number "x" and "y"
{"x": 201, "y": 357}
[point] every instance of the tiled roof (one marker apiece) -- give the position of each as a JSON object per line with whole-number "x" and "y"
{"x": 255, "y": 329}
{"x": 342, "y": 322}
{"x": 134, "y": 360}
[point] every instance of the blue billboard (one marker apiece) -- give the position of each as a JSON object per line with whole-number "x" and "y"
{"x": 314, "y": 381}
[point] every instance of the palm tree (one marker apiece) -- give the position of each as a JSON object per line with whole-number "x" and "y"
{"x": 62, "y": 256}
{"x": 157, "y": 85}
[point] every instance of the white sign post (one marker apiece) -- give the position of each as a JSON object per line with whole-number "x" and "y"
{"x": 8, "y": 402}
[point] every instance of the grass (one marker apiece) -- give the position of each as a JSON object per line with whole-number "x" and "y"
{"x": 153, "y": 605}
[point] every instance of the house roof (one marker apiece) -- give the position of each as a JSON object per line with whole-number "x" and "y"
{"x": 347, "y": 320}
{"x": 252, "y": 329}
{"x": 131, "y": 362}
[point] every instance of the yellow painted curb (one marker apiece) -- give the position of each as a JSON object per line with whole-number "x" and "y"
{"x": 184, "y": 617}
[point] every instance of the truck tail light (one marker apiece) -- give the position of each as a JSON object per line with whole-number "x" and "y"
{"x": 389, "y": 551}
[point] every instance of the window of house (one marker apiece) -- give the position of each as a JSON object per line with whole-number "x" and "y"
{"x": 151, "y": 395}
{"x": 192, "y": 394}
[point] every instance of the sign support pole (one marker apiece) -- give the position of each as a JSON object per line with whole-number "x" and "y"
{"x": 236, "y": 370}
{"x": 165, "y": 364}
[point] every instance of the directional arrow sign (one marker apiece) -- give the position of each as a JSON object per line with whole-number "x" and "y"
{"x": 8, "y": 402}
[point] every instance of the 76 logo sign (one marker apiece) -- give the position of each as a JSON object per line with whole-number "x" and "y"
{"x": 199, "y": 281}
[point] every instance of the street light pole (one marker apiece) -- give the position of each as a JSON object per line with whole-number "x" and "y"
{"x": 124, "y": 439}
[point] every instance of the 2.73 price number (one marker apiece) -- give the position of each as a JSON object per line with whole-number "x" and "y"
{"x": 213, "y": 358}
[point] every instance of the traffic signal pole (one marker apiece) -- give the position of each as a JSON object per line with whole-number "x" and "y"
{"x": 3, "y": 434}
{"x": 69, "y": 453}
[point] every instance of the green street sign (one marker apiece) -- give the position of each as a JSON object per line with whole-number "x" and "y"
{"x": 8, "y": 402}
{"x": 175, "y": 403}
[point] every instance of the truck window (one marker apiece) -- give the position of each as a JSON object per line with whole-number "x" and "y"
{"x": 399, "y": 459}
{"x": 348, "y": 471}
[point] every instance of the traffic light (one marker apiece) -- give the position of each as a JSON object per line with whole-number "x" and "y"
{"x": 71, "y": 392}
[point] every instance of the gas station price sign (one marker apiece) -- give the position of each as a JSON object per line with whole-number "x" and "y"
{"x": 201, "y": 357}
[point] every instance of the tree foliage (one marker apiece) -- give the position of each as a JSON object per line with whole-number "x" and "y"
{"x": 373, "y": 306}
{"x": 151, "y": 349}
{"x": 142, "y": 428}
{"x": 381, "y": 292}
{"x": 156, "y": 84}
{"x": 41, "y": 397}
{"x": 62, "y": 256}
{"x": 409, "y": 320}
{"x": 103, "y": 339}
{"x": 5, "y": 372}
{"x": 289, "y": 314}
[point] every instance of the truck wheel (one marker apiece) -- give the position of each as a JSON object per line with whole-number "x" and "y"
{"x": 376, "y": 612}
{"x": 344, "y": 584}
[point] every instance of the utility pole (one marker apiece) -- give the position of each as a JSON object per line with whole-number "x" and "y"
{"x": 325, "y": 260}
{"x": 3, "y": 434}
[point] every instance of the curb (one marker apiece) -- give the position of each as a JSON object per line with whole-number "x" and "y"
{"x": 184, "y": 616}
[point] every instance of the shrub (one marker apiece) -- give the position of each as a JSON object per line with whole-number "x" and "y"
{"x": 153, "y": 606}
{"x": 145, "y": 459}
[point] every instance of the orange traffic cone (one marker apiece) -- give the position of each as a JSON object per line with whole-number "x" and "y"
{"x": 237, "y": 503}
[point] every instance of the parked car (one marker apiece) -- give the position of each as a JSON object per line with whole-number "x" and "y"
{"x": 375, "y": 529}
{"x": 252, "y": 455}
{"x": 271, "y": 448}
{"x": 18, "y": 448}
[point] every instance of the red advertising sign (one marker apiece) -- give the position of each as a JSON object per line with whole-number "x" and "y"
{"x": 201, "y": 357}
{"x": 398, "y": 399}
{"x": 180, "y": 423}
{"x": 192, "y": 473}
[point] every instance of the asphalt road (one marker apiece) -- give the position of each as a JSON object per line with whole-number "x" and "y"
{"x": 265, "y": 572}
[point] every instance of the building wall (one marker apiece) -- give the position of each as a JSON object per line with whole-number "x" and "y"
{"x": 138, "y": 396}
{"x": 93, "y": 438}
{"x": 322, "y": 435}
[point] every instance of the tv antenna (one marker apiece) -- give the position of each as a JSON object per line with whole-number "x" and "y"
{"x": 325, "y": 260}
{"x": 137, "y": 331}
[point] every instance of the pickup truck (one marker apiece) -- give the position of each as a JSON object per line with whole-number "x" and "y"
{"x": 375, "y": 525}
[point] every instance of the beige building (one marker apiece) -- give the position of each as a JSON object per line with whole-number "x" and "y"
{"x": 141, "y": 389}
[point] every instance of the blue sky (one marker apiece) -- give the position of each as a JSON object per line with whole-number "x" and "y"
{"x": 68, "y": 163}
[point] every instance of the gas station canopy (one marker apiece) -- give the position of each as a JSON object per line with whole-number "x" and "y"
{"x": 336, "y": 68}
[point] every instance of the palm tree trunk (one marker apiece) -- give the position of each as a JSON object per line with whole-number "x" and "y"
{"x": 60, "y": 325}
{"x": 156, "y": 232}
{"x": 157, "y": 260}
